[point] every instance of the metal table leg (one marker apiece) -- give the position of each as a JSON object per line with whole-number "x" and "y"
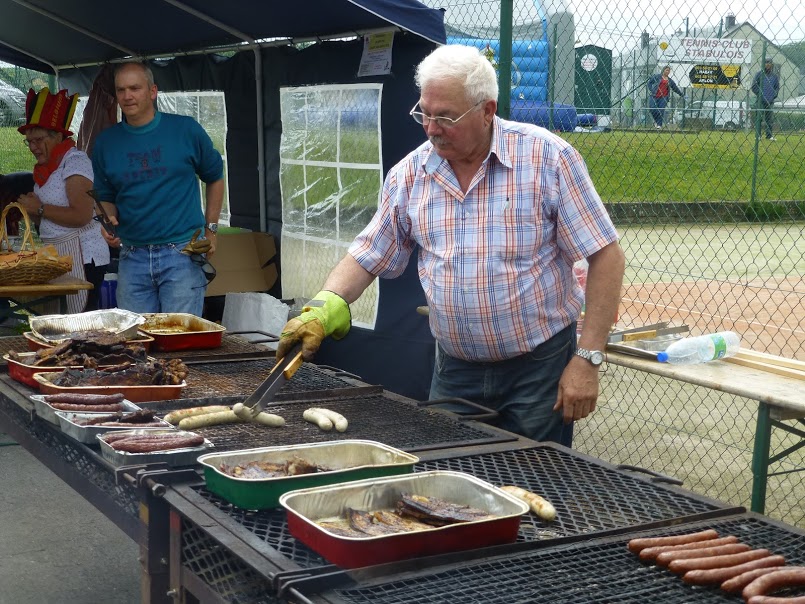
{"x": 760, "y": 459}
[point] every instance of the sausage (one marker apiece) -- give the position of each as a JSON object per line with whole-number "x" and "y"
{"x": 339, "y": 421}
{"x": 314, "y": 416}
{"x": 243, "y": 412}
{"x": 721, "y": 575}
{"x": 540, "y": 506}
{"x": 269, "y": 419}
{"x": 736, "y": 584}
{"x": 790, "y": 576}
{"x": 665, "y": 558}
{"x": 78, "y": 398}
{"x": 209, "y": 419}
{"x": 138, "y": 446}
{"x": 776, "y": 600}
{"x": 651, "y": 553}
{"x": 704, "y": 563}
{"x": 637, "y": 545}
{"x": 174, "y": 417}
{"x": 92, "y": 408}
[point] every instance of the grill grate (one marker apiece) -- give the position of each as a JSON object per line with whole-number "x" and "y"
{"x": 588, "y": 497}
{"x": 12, "y": 343}
{"x": 241, "y": 378}
{"x": 221, "y": 571}
{"x": 393, "y": 421}
{"x": 588, "y": 572}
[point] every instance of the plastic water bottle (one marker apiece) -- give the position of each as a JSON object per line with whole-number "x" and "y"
{"x": 108, "y": 294}
{"x": 700, "y": 349}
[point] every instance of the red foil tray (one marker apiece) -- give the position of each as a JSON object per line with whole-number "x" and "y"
{"x": 196, "y": 333}
{"x": 135, "y": 394}
{"x": 35, "y": 343}
{"x": 349, "y": 552}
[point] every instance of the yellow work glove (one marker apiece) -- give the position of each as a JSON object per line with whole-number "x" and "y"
{"x": 196, "y": 245}
{"x": 326, "y": 314}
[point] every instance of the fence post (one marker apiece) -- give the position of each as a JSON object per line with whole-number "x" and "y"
{"x": 505, "y": 64}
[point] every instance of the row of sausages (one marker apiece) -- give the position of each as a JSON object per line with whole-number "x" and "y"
{"x": 705, "y": 558}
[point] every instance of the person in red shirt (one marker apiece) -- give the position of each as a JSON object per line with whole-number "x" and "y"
{"x": 660, "y": 86}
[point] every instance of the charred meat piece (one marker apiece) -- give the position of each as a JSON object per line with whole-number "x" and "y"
{"x": 143, "y": 416}
{"x": 398, "y": 523}
{"x": 365, "y": 522}
{"x": 341, "y": 528}
{"x": 437, "y": 512}
{"x": 255, "y": 470}
{"x": 297, "y": 466}
{"x": 127, "y": 374}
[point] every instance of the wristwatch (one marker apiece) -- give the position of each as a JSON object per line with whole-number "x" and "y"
{"x": 212, "y": 227}
{"x": 41, "y": 211}
{"x": 596, "y": 357}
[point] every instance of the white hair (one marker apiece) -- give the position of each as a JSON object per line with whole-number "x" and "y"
{"x": 463, "y": 63}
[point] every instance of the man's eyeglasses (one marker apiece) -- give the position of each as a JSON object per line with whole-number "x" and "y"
{"x": 442, "y": 122}
{"x": 36, "y": 141}
{"x": 209, "y": 269}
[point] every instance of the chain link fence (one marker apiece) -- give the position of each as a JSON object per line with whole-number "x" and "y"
{"x": 711, "y": 212}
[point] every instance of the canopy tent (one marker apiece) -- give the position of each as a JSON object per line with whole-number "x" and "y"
{"x": 50, "y": 35}
{"x": 73, "y": 38}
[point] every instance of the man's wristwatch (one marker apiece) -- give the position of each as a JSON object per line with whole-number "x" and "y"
{"x": 212, "y": 227}
{"x": 596, "y": 357}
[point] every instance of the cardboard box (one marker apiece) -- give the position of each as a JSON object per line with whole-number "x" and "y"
{"x": 244, "y": 263}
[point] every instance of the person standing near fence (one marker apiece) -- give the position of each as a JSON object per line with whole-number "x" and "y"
{"x": 146, "y": 174}
{"x": 59, "y": 203}
{"x": 660, "y": 86}
{"x": 498, "y": 212}
{"x": 766, "y": 85}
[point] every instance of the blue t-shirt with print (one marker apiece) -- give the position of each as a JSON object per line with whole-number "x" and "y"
{"x": 149, "y": 173}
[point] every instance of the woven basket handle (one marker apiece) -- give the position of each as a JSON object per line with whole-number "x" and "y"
{"x": 27, "y": 240}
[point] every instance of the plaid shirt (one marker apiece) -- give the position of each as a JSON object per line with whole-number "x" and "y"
{"x": 495, "y": 262}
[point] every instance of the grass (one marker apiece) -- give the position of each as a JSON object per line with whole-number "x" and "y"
{"x": 14, "y": 155}
{"x": 651, "y": 166}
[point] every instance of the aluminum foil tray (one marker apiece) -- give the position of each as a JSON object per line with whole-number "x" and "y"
{"x": 173, "y": 458}
{"x": 88, "y": 434}
{"x": 48, "y": 413}
{"x": 307, "y": 506}
{"x": 58, "y": 328}
{"x": 345, "y": 461}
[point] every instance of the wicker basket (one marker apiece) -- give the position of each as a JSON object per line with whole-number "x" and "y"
{"x": 29, "y": 266}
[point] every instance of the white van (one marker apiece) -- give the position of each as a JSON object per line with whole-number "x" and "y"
{"x": 729, "y": 115}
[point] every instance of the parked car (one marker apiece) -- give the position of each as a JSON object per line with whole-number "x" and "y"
{"x": 12, "y": 105}
{"x": 729, "y": 115}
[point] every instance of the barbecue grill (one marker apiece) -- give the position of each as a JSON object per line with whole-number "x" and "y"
{"x": 592, "y": 498}
{"x": 598, "y": 570}
{"x": 380, "y": 416}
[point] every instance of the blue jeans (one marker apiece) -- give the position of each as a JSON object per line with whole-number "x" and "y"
{"x": 159, "y": 278}
{"x": 522, "y": 390}
{"x": 657, "y": 108}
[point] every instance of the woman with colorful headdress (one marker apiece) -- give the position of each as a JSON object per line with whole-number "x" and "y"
{"x": 60, "y": 202}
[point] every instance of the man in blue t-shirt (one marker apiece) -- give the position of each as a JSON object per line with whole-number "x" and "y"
{"x": 766, "y": 85}
{"x": 146, "y": 173}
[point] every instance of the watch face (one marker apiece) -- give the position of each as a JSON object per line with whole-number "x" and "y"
{"x": 213, "y": 227}
{"x": 596, "y": 357}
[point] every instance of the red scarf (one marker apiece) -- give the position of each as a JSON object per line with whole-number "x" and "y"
{"x": 42, "y": 173}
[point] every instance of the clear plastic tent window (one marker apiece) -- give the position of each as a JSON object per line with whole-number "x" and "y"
{"x": 331, "y": 172}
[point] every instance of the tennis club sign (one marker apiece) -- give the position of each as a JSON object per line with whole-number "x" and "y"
{"x": 719, "y": 51}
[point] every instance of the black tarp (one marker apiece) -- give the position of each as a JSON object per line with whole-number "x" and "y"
{"x": 399, "y": 352}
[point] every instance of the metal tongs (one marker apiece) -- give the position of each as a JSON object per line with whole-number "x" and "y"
{"x": 282, "y": 371}
{"x": 102, "y": 215}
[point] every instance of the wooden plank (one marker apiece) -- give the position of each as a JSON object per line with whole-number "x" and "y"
{"x": 752, "y": 355}
{"x": 768, "y": 367}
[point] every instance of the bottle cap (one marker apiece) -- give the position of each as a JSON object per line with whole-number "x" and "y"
{"x": 662, "y": 357}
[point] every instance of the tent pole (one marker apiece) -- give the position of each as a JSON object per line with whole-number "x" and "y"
{"x": 258, "y": 80}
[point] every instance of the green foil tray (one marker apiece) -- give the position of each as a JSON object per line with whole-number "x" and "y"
{"x": 348, "y": 459}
